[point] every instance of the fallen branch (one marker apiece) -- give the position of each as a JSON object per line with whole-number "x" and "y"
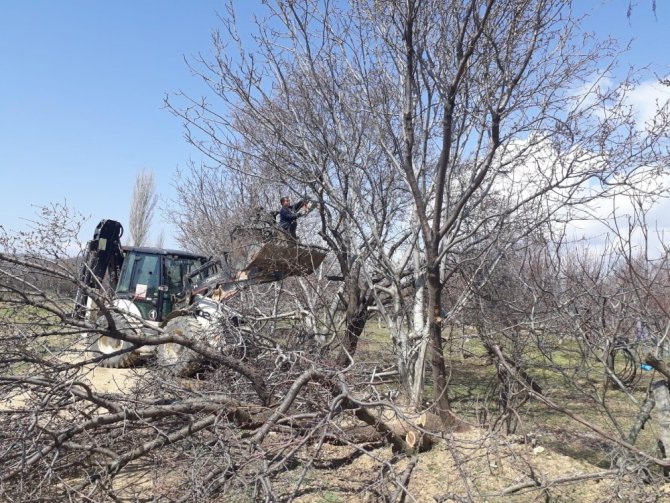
{"x": 229, "y": 408}
{"x": 291, "y": 395}
{"x": 362, "y": 411}
{"x": 397, "y": 442}
{"x": 403, "y": 481}
{"x": 659, "y": 365}
{"x": 185, "y": 432}
{"x": 536, "y": 484}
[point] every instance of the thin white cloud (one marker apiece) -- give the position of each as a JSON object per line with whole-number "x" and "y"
{"x": 637, "y": 216}
{"x": 607, "y": 213}
{"x": 646, "y": 100}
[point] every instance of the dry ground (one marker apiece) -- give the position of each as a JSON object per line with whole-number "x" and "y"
{"x": 549, "y": 459}
{"x": 475, "y": 466}
{"x": 478, "y": 465}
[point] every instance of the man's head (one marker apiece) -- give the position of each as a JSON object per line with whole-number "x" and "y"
{"x": 285, "y": 201}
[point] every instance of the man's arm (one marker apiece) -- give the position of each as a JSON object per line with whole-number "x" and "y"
{"x": 305, "y": 205}
{"x": 287, "y": 215}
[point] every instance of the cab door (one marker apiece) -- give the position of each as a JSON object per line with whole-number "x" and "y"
{"x": 140, "y": 282}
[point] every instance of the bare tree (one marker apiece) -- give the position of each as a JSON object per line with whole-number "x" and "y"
{"x": 160, "y": 240}
{"x": 479, "y": 115}
{"x": 262, "y": 421}
{"x": 260, "y": 384}
{"x": 142, "y": 207}
{"x": 334, "y": 164}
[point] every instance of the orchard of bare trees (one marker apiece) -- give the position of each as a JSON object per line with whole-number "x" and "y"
{"x": 460, "y": 342}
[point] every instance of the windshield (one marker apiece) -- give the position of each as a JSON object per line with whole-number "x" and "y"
{"x": 140, "y": 276}
{"x": 175, "y": 270}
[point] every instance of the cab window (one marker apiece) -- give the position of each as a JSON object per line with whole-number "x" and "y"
{"x": 140, "y": 276}
{"x": 175, "y": 270}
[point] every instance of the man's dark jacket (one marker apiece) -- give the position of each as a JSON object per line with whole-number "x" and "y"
{"x": 288, "y": 217}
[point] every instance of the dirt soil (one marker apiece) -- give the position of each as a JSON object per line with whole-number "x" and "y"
{"x": 476, "y": 465}
{"x": 100, "y": 379}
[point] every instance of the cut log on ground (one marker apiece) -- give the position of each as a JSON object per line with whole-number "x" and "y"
{"x": 411, "y": 429}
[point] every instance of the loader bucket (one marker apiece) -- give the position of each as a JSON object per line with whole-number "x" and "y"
{"x": 264, "y": 251}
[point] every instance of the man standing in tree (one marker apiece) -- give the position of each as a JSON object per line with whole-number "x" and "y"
{"x": 288, "y": 215}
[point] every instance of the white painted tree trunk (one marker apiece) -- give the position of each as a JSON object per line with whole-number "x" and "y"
{"x": 662, "y": 399}
{"x": 420, "y": 330}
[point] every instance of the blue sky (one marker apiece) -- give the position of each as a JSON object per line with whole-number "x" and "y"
{"x": 82, "y": 85}
{"x": 81, "y": 94}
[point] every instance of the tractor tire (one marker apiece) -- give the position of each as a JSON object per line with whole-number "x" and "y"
{"x": 103, "y": 345}
{"x": 179, "y": 360}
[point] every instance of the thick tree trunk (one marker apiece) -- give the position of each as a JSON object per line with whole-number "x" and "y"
{"x": 354, "y": 328}
{"x": 418, "y": 379}
{"x": 356, "y": 316}
{"x": 420, "y": 330}
{"x": 438, "y": 366}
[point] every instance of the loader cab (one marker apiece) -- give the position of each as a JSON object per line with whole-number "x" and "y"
{"x": 151, "y": 277}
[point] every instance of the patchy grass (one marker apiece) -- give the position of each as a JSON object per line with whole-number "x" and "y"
{"x": 566, "y": 376}
{"x": 479, "y": 462}
{"x": 29, "y": 330}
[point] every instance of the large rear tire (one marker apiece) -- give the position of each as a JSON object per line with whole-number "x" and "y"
{"x": 179, "y": 360}
{"x": 103, "y": 345}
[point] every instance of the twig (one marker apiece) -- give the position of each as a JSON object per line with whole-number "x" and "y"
{"x": 553, "y": 482}
{"x": 402, "y": 482}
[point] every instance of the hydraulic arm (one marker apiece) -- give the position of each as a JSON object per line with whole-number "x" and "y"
{"x": 103, "y": 257}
